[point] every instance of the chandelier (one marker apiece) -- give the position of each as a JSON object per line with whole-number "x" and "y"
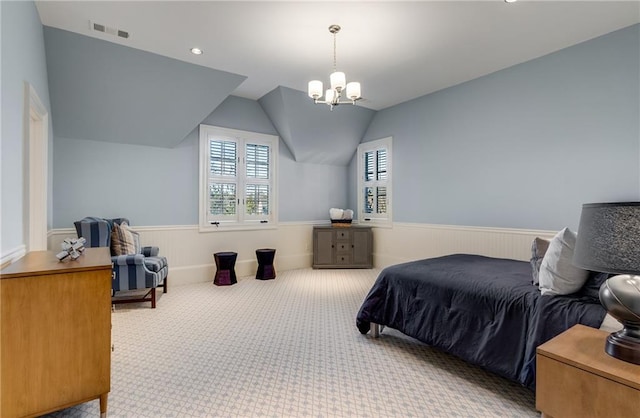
{"x": 338, "y": 83}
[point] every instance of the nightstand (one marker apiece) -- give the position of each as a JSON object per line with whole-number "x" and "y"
{"x": 576, "y": 378}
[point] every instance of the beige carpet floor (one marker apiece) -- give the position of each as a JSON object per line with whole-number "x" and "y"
{"x": 286, "y": 348}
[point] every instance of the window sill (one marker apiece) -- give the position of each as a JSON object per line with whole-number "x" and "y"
{"x": 377, "y": 224}
{"x": 229, "y": 228}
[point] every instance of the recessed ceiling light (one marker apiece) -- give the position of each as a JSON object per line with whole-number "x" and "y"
{"x": 196, "y": 51}
{"x": 510, "y": 1}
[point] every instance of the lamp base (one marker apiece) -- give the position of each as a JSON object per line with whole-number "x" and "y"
{"x": 623, "y": 347}
{"x": 620, "y": 295}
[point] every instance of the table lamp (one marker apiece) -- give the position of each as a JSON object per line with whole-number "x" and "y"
{"x": 609, "y": 241}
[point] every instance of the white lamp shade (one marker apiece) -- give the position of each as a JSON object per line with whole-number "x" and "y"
{"x": 329, "y": 95}
{"x": 315, "y": 89}
{"x": 338, "y": 80}
{"x": 353, "y": 90}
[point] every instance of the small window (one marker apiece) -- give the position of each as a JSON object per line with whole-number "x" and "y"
{"x": 374, "y": 181}
{"x": 237, "y": 180}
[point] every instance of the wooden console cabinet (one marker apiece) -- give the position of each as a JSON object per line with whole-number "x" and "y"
{"x": 55, "y": 332}
{"x": 576, "y": 378}
{"x": 342, "y": 248}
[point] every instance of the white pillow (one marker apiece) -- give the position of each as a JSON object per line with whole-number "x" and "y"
{"x": 558, "y": 275}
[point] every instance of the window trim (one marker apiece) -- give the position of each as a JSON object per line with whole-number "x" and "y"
{"x": 241, "y": 138}
{"x": 383, "y": 143}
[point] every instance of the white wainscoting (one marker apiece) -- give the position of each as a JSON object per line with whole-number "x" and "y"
{"x": 190, "y": 252}
{"x": 408, "y": 241}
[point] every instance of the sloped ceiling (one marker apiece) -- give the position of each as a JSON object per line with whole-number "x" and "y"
{"x": 107, "y": 92}
{"x": 313, "y": 133}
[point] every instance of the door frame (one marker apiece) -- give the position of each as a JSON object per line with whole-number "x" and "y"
{"x": 36, "y": 170}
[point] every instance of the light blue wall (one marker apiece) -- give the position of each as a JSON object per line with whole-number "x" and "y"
{"x": 308, "y": 191}
{"x": 524, "y": 147}
{"x": 148, "y": 185}
{"x": 23, "y": 60}
{"x": 159, "y": 186}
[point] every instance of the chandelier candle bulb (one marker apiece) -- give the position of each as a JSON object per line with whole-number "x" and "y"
{"x": 353, "y": 90}
{"x": 329, "y": 95}
{"x": 315, "y": 89}
{"x": 338, "y": 80}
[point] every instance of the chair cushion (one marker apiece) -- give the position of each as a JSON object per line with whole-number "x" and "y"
{"x": 123, "y": 241}
{"x": 155, "y": 264}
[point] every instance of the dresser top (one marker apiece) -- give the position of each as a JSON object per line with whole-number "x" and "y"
{"x": 37, "y": 263}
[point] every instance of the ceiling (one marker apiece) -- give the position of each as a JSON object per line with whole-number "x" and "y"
{"x": 397, "y": 50}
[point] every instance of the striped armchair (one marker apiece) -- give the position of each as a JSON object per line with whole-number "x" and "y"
{"x": 143, "y": 270}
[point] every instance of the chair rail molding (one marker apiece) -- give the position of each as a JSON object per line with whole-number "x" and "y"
{"x": 12, "y": 255}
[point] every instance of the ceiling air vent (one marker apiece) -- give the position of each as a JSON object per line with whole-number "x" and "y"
{"x": 98, "y": 27}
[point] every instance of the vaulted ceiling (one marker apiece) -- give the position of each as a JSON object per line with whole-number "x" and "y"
{"x": 397, "y": 50}
{"x": 149, "y": 89}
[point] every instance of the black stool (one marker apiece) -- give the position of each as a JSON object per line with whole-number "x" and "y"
{"x": 225, "y": 273}
{"x": 265, "y": 264}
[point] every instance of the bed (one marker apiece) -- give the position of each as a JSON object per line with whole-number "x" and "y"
{"x": 483, "y": 310}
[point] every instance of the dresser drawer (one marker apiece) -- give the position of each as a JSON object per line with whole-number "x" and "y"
{"x": 343, "y": 259}
{"x": 343, "y": 235}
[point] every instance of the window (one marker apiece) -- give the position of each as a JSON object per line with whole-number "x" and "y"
{"x": 237, "y": 179}
{"x": 374, "y": 182}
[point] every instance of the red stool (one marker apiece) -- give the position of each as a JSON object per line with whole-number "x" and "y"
{"x": 265, "y": 258}
{"x": 225, "y": 265}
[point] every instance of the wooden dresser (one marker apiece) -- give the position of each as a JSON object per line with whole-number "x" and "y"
{"x": 55, "y": 332}
{"x": 576, "y": 378}
{"x": 342, "y": 248}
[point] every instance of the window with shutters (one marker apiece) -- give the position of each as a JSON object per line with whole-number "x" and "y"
{"x": 237, "y": 180}
{"x": 374, "y": 182}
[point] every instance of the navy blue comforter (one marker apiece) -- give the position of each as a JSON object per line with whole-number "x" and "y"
{"x": 481, "y": 309}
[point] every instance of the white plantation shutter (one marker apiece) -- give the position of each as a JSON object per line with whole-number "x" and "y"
{"x": 238, "y": 175}
{"x": 223, "y": 179}
{"x": 222, "y": 158}
{"x": 257, "y": 181}
{"x": 374, "y": 185}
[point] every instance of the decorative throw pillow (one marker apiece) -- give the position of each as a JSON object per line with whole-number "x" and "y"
{"x": 123, "y": 241}
{"x": 539, "y": 248}
{"x": 558, "y": 275}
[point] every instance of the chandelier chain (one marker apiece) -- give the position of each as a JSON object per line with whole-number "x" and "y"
{"x": 334, "y": 52}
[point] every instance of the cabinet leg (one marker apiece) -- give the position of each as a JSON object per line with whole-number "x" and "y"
{"x": 103, "y": 405}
